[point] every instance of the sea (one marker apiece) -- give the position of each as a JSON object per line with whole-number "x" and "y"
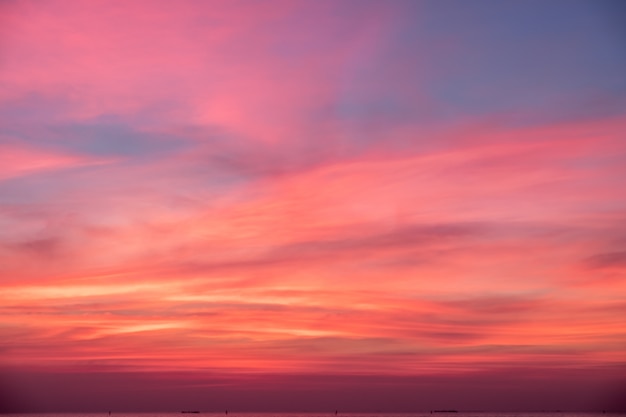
{"x": 435, "y": 413}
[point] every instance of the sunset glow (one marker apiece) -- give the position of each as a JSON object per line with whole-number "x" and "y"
{"x": 201, "y": 193}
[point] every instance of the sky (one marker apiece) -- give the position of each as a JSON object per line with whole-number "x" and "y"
{"x": 312, "y": 205}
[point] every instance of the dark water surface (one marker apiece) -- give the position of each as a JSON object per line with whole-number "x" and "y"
{"x": 325, "y": 414}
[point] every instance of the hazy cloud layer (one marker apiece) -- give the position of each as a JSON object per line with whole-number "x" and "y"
{"x": 375, "y": 194}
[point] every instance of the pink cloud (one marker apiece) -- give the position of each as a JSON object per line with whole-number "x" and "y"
{"x": 18, "y": 160}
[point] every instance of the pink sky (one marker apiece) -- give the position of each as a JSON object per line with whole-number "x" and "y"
{"x": 303, "y": 204}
